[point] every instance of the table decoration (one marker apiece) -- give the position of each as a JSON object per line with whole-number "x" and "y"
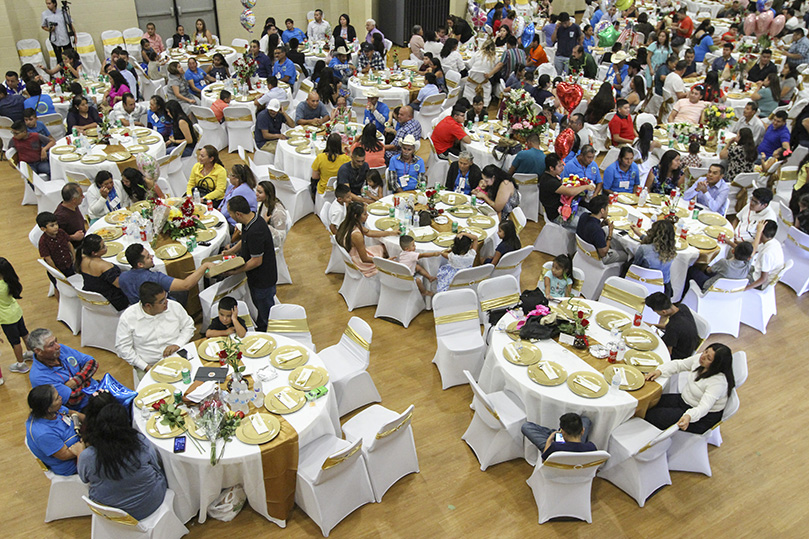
{"x": 218, "y": 423}
{"x": 578, "y": 328}
{"x": 172, "y": 416}
{"x": 523, "y": 121}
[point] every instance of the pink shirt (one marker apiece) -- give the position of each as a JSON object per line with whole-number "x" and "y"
{"x": 409, "y": 259}
{"x": 688, "y": 111}
{"x": 115, "y": 93}
{"x": 156, "y": 42}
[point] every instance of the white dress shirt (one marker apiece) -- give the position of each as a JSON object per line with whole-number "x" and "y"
{"x": 118, "y": 112}
{"x": 748, "y": 222}
{"x": 755, "y": 125}
{"x": 318, "y": 31}
{"x": 706, "y": 395}
{"x": 141, "y": 337}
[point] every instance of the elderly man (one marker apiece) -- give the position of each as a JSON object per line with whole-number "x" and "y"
{"x": 583, "y": 62}
{"x": 531, "y": 160}
{"x": 798, "y": 52}
{"x": 370, "y": 59}
{"x": 291, "y": 32}
{"x": 711, "y": 190}
{"x": 551, "y": 190}
{"x": 264, "y": 63}
{"x": 340, "y": 65}
{"x": 750, "y": 120}
{"x": 762, "y": 68}
{"x": 152, "y": 329}
{"x": 581, "y": 134}
{"x": 416, "y": 43}
{"x": 566, "y": 35}
{"x": 725, "y": 60}
{"x": 273, "y": 92}
{"x": 449, "y": 133}
{"x": 283, "y": 68}
{"x": 407, "y": 126}
{"x": 463, "y": 175}
{"x": 269, "y": 123}
{"x": 370, "y": 27}
{"x": 68, "y": 214}
{"x": 406, "y": 170}
{"x": 155, "y": 41}
{"x": 376, "y": 112}
{"x": 690, "y": 109}
{"x": 13, "y": 83}
{"x": 584, "y": 166}
{"x": 311, "y": 111}
{"x": 68, "y": 370}
{"x": 318, "y": 29}
{"x": 142, "y": 263}
{"x": 129, "y": 111}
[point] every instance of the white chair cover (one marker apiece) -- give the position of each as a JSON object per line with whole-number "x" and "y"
{"x": 290, "y": 321}
{"x": 650, "y": 279}
{"x": 399, "y": 296}
{"x": 758, "y": 306}
{"x": 796, "y": 249}
{"x": 239, "y": 123}
{"x": 234, "y": 286}
{"x": 132, "y": 37}
{"x": 30, "y": 52}
{"x": 511, "y": 263}
{"x": 29, "y": 197}
{"x": 357, "y": 290}
{"x": 111, "y": 39}
{"x": 624, "y": 294}
{"x": 326, "y": 197}
{"x": 48, "y": 193}
{"x": 497, "y": 293}
{"x": 335, "y": 264}
{"x": 86, "y": 49}
{"x": 721, "y": 305}
{"x": 595, "y": 272}
{"x": 64, "y": 497}
{"x": 430, "y": 109}
{"x": 578, "y": 279}
{"x": 69, "y": 305}
{"x": 55, "y": 124}
{"x": 98, "y": 314}
{"x": 437, "y": 169}
{"x": 293, "y": 192}
{"x": 460, "y": 345}
{"x": 171, "y": 166}
{"x": 213, "y": 132}
{"x": 529, "y": 195}
{"x": 471, "y": 277}
{"x": 554, "y": 239}
{"x": 111, "y": 522}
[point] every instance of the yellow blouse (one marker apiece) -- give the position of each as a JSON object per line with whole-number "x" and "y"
{"x": 801, "y": 177}
{"x": 220, "y": 180}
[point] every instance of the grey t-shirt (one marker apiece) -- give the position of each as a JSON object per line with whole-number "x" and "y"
{"x": 727, "y": 268}
{"x": 305, "y": 112}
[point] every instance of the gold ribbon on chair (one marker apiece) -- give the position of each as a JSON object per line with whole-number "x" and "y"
{"x": 307, "y": 86}
{"x": 224, "y": 293}
{"x": 405, "y": 421}
{"x": 171, "y": 159}
{"x": 54, "y": 122}
{"x": 113, "y": 41}
{"x": 281, "y": 178}
{"x": 529, "y": 181}
{"x": 132, "y": 40}
{"x": 126, "y": 520}
{"x": 88, "y": 49}
{"x": 350, "y": 265}
{"x": 502, "y": 301}
{"x": 397, "y": 275}
{"x": 457, "y": 317}
{"x": 29, "y": 52}
{"x": 591, "y": 254}
{"x": 508, "y": 267}
{"x": 211, "y": 119}
{"x": 77, "y": 179}
{"x": 632, "y": 275}
{"x": 52, "y": 53}
{"x": 623, "y": 297}
{"x": 296, "y": 325}
{"x": 723, "y": 291}
{"x": 466, "y": 283}
{"x": 357, "y": 338}
{"x": 517, "y": 224}
{"x": 331, "y": 462}
{"x": 578, "y": 284}
{"x": 562, "y": 466}
{"x": 451, "y": 83}
{"x": 239, "y": 119}
{"x": 93, "y": 302}
{"x": 793, "y": 240}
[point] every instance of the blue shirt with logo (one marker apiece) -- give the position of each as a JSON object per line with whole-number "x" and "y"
{"x": 71, "y": 362}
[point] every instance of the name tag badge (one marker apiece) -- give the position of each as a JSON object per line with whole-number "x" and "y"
{"x": 404, "y": 180}
{"x": 72, "y": 361}
{"x": 67, "y": 420}
{"x": 624, "y": 184}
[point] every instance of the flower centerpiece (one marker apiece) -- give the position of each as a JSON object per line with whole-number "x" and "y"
{"x": 578, "y": 328}
{"x": 570, "y": 203}
{"x": 182, "y": 222}
{"x": 174, "y": 417}
{"x": 231, "y": 355}
{"x": 433, "y": 198}
{"x": 217, "y": 422}
{"x": 244, "y": 68}
{"x": 201, "y": 48}
{"x": 718, "y": 116}
{"x": 62, "y": 83}
{"x": 521, "y": 114}
{"x": 104, "y": 128}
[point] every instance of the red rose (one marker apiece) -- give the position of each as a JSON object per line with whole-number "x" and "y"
{"x": 585, "y": 323}
{"x": 441, "y": 211}
{"x": 222, "y": 362}
{"x": 240, "y": 414}
{"x": 238, "y": 355}
{"x": 580, "y": 314}
{"x": 223, "y": 354}
{"x": 156, "y": 406}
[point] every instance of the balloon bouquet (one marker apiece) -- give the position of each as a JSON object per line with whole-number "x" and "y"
{"x": 248, "y": 18}
{"x": 764, "y": 22}
{"x": 478, "y": 15}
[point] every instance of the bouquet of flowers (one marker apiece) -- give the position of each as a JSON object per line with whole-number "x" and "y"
{"x": 433, "y": 198}
{"x": 104, "y": 128}
{"x": 62, "y": 83}
{"x": 201, "y": 48}
{"x": 570, "y": 203}
{"x": 174, "y": 417}
{"x": 719, "y": 116}
{"x": 522, "y": 115}
{"x": 244, "y": 68}
{"x": 230, "y": 355}
{"x": 182, "y": 222}
{"x": 217, "y": 422}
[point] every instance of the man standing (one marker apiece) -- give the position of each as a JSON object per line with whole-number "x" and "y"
{"x": 762, "y": 68}
{"x": 311, "y": 111}
{"x": 283, "y": 68}
{"x": 584, "y": 166}
{"x": 449, "y": 133}
{"x": 711, "y": 190}
{"x": 152, "y": 329}
{"x": 258, "y": 251}
{"x": 68, "y": 214}
{"x": 142, "y": 262}
{"x": 353, "y": 173}
{"x": 622, "y": 130}
{"x": 59, "y": 28}
{"x": 751, "y": 121}
{"x": 376, "y": 112}
{"x": 679, "y": 328}
{"x": 776, "y": 135}
{"x": 566, "y": 35}
{"x": 318, "y": 29}
{"x": 68, "y": 370}
{"x": 530, "y": 160}
{"x": 551, "y": 191}
{"x": 407, "y": 126}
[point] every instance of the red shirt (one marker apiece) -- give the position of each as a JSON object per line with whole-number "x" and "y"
{"x": 687, "y": 26}
{"x": 622, "y": 127}
{"x": 29, "y": 150}
{"x": 71, "y": 221}
{"x": 218, "y": 109}
{"x": 58, "y": 248}
{"x": 446, "y": 133}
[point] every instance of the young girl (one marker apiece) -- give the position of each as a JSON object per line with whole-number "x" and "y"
{"x": 559, "y": 279}
{"x": 372, "y": 190}
{"x": 509, "y": 241}
{"x": 461, "y": 256}
{"x": 11, "y": 316}
{"x": 692, "y": 159}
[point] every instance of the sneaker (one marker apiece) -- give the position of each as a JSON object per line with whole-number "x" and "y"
{"x": 2, "y": 381}
{"x": 27, "y": 355}
{"x": 20, "y": 368}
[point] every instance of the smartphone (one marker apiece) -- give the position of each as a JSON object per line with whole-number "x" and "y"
{"x": 182, "y": 353}
{"x": 179, "y": 444}
{"x": 205, "y": 243}
{"x": 558, "y": 438}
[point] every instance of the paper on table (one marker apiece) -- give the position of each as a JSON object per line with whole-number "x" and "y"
{"x": 205, "y": 389}
{"x": 451, "y": 199}
{"x": 161, "y": 428}
{"x": 163, "y": 369}
{"x": 257, "y": 345}
{"x": 619, "y": 323}
{"x": 622, "y": 374}
{"x": 303, "y": 377}
{"x": 549, "y": 371}
{"x": 509, "y": 352}
{"x": 422, "y": 230}
{"x": 171, "y": 250}
{"x": 636, "y": 338}
{"x": 288, "y": 356}
{"x": 213, "y": 348}
{"x": 646, "y": 362}
{"x": 285, "y": 399}
{"x": 584, "y": 382}
{"x": 258, "y": 424}
{"x": 154, "y": 397}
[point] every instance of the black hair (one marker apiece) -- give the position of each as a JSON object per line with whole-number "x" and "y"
{"x": 101, "y": 177}
{"x": 658, "y": 301}
{"x": 40, "y": 399}
{"x": 227, "y": 303}
{"x": 763, "y": 195}
{"x": 10, "y": 277}
{"x": 368, "y": 139}
{"x": 33, "y": 88}
{"x": 743, "y": 251}
{"x": 149, "y": 291}
{"x": 334, "y": 147}
{"x": 722, "y": 363}
{"x": 571, "y": 424}
{"x": 137, "y": 186}
{"x": 89, "y": 245}
{"x": 29, "y": 113}
{"x": 645, "y": 137}
{"x": 134, "y": 254}
{"x": 70, "y": 191}
{"x": 566, "y": 264}
{"x": 354, "y": 213}
{"x": 238, "y": 204}
{"x": 116, "y": 442}
{"x": 45, "y": 218}
{"x": 510, "y": 236}
{"x": 499, "y": 175}
{"x": 342, "y": 189}
{"x": 551, "y": 160}
{"x": 770, "y": 229}
{"x": 693, "y": 149}
{"x": 461, "y": 245}
{"x": 598, "y": 203}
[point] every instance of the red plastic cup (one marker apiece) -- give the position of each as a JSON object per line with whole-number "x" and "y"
{"x": 613, "y": 197}
{"x": 210, "y": 205}
{"x": 638, "y": 190}
{"x": 692, "y": 204}
{"x": 638, "y": 319}
{"x": 684, "y": 234}
{"x": 613, "y": 357}
{"x": 640, "y": 222}
{"x": 721, "y": 238}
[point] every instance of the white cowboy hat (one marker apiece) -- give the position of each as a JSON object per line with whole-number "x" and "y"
{"x": 371, "y": 92}
{"x": 341, "y": 50}
{"x": 619, "y": 57}
{"x": 408, "y": 140}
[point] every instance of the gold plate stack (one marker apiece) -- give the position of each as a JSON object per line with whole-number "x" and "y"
{"x": 445, "y": 239}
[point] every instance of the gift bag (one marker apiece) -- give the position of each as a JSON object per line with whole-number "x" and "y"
{"x": 228, "y": 504}
{"x": 122, "y": 394}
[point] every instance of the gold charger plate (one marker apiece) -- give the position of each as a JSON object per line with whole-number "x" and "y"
{"x": 399, "y": 84}
{"x": 454, "y": 199}
{"x": 151, "y": 390}
{"x": 303, "y": 150}
{"x": 265, "y": 349}
{"x": 379, "y": 209}
{"x": 113, "y": 248}
{"x": 655, "y": 199}
{"x": 445, "y": 239}
{"x": 621, "y": 224}
{"x": 170, "y": 251}
{"x": 682, "y": 213}
{"x": 121, "y": 258}
{"x": 206, "y": 234}
{"x": 646, "y": 339}
{"x": 617, "y": 211}
{"x": 289, "y": 364}
{"x": 582, "y": 391}
{"x": 151, "y": 429}
{"x": 712, "y": 219}
{"x": 117, "y": 157}
{"x": 62, "y": 150}
{"x": 511, "y": 331}
{"x": 172, "y": 362}
{"x": 318, "y": 377}
{"x": 92, "y": 132}
{"x": 605, "y": 318}
{"x": 243, "y": 98}
{"x": 735, "y": 95}
{"x": 117, "y": 217}
{"x": 573, "y": 306}
{"x": 210, "y": 220}
{"x": 202, "y": 348}
{"x": 681, "y": 244}
{"x": 537, "y": 375}
{"x": 191, "y": 427}
{"x": 713, "y": 231}
{"x": 69, "y": 157}
{"x": 387, "y": 223}
{"x": 475, "y": 231}
{"x": 424, "y": 238}
{"x": 634, "y": 377}
{"x": 482, "y": 221}
{"x": 701, "y": 242}
{"x": 109, "y": 233}
{"x": 462, "y": 211}
{"x": 383, "y": 86}
{"x": 93, "y": 159}
{"x": 632, "y": 356}
{"x": 246, "y": 432}
{"x": 142, "y": 131}
{"x": 275, "y": 406}
{"x": 627, "y": 198}
{"x": 138, "y": 148}
{"x": 528, "y": 354}
{"x": 151, "y": 139}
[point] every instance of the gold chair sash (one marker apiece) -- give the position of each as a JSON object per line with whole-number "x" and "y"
{"x": 451, "y": 83}
{"x": 632, "y": 275}
{"x": 498, "y": 267}
{"x": 457, "y": 317}
{"x": 89, "y": 49}
{"x": 224, "y": 293}
{"x": 113, "y": 41}
{"x": 467, "y": 283}
{"x": 517, "y": 224}
{"x": 350, "y": 265}
{"x": 282, "y": 177}
{"x": 296, "y": 325}
{"x": 591, "y": 254}
{"x": 29, "y": 52}
{"x": 397, "y": 275}
{"x": 132, "y": 40}
{"x": 529, "y": 181}
{"x": 52, "y": 53}
{"x": 211, "y": 119}
{"x": 623, "y": 297}
{"x": 126, "y": 520}
{"x": 357, "y": 338}
{"x": 722, "y": 290}
{"x": 404, "y": 422}
{"x": 239, "y": 119}
{"x": 77, "y": 179}
{"x": 562, "y": 466}
{"x": 93, "y": 302}
{"x": 54, "y": 122}
{"x": 331, "y": 462}
{"x": 793, "y": 240}
{"x": 578, "y": 284}
{"x": 171, "y": 159}
{"x": 502, "y": 301}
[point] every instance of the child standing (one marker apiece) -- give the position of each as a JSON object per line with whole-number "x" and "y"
{"x": 228, "y": 321}
{"x": 559, "y": 279}
{"x": 509, "y": 241}
{"x": 410, "y": 258}
{"x": 372, "y": 190}
{"x": 461, "y": 256}
{"x": 337, "y": 211}
{"x": 11, "y": 317}
{"x": 54, "y": 245}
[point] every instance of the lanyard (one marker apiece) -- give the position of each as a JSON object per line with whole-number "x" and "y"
{"x": 461, "y": 181}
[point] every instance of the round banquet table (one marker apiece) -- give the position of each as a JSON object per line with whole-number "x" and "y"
{"x": 59, "y": 168}
{"x": 190, "y": 475}
{"x": 62, "y": 102}
{"x": 182, "y": 55}
{"x": 485, "y": 139}
{"x": 390, "y": 94}
{"x": 545, "y": 404}
{"x": 211, "y": 93}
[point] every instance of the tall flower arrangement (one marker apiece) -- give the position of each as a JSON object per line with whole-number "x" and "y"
{"x": 244, "y": 68}
{"x": 521, "y": 115}
{"x": 217, "y": 422}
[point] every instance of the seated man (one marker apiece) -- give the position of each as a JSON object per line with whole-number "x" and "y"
{"x": 68, "y": 370}
{"x": 311, "y": 111}
{"x": 430, "y": 89}
{"x": 449, "y": 133}
{"x": 376, "y": 111}
{"x": 142, "y": 262}
{"x": 750, "y": 120}
{"x": 690, "y": 109}
{"x": 407, "y": 169}
{"x": 590, "y": 230}
{"x": 292, "y": 32}
{"x": 711, "y": 190}
{"x": 152, "y": 329}
{"x": 622, "y": 130}
{"x": 464, "y": 175}
{"x": 758, "y": 209}
{"x": 530, "y": 160}
{"x": 584, "y": 166}
{"x": 408, "y": 125}
{"x": 573, "y": 428}
{"x": 11, "y": 105}
{"x": 298, "y": 58}
{"x": 264, "y": 65}
{"x": 353, "y": 173}
{"x": 269, "y": 123}
{"x": 273, "y": 92}
{"x": 128, "y": 110}
{"x": 283, "y": 68}
{"x": 623, "y": 175}
{"x": 678, "y": 325}
{"x": 725, "y": 60}
{"x": 776, "y": 136}
{"x": 768, "y": 258}
{"x": 370, "y": 59}
{"x": 340, "y": 65}
{"x": 551, "y": 191}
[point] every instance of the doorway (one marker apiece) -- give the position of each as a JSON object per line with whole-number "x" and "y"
{"x": 167, "y": 14}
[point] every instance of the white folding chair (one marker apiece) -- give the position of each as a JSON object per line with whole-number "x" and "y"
{"x": 347, "y": 362}
{"x": 629, "y": 296}
{"x": 452, "y": 98}
{"x": 64, "y": 497}
{"x": 562, "y": 484}
{"x": 740, "y": 377}
{"x": 239, "y": 44}
{"x": 30, "y": 52}
{"x": 460, "y": 345}
{"x": 112, "y": 522}
{"x": 6, "y": 136}
{"x": 148, "y": 87}
{"x": 703, "y": 327}
{"x": 293, "y": 192}
{"x": 86, "y": 49}
{"x": 51, "y": 53}
{"x": 758, "y": 306}
{"x": 171, "y": 167}
{"x": 387, "y": 445}
{"x": 213, "y": 132}
{"x": 471, "y": 277}
{"x": 494, "y": 432}
{"x": 111, "y": 39}
{"x": 69, "y": 305}
{"x": 637, "y": 462}
{"x": 284, "y": 277}
{"x": 357, "y": 290}
{"x": 399, "y": 296}
{"x": 511, "y": 263}
{"x": 644, "y": 118}
{"x": 739, "y": 191}
{"x": 796, "y": 249}
{"x": 721, "y": 305}
{"x": 290, "y": 321}
{"x": 132, "y": 37}
{"x": 358, "y": 106}
{"x": 55, "y": 124}
{"x": 652, "y": 281}
{"x": 595, "y": 271}
{"x": 239, "y": 123}
{"x": 326, "y": 197}
{"x": 29, "y": 197}
{"x": 529, "y": 195}
{"x": 554, "y": 239}
{"x": 429, "y": 110}
{"x": 497, "y": 293}
{"x": 333, "y": 480}
{"x": 234, "y": 286}
{"x": 335, "y": 264}
{"x": 48, "y": 193}
{"x": 97, "y": 313}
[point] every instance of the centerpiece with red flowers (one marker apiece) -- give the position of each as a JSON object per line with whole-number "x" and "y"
{"x": 570, "y": 203}
{"x": 182, "y": 222}
{"x": 174, "y": 417}
{"x": 244, "y": 68}
{"x": 433, "y": 198}
{"x": 231, "y": 355}
{"x": 577, "y": 326}
{"x": 218, "y": 423}
{"x": 523, "y": 115}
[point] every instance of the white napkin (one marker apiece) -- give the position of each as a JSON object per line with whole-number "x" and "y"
{"x": 154, "y": 397}
{"x": 202, "y": 391}
{"x": 422, "y": 231}
{"x": 622, "y": 374}
{"x": 213, "y": 348}
{"x": 163, "y": 369}
{"x": 549, "y": 371}
{"x": 646, "y": 362}
{"x": 267, "y": 373}
{"x": 451, "y": 200}
{"x": 636, "y": 339}
{"x": 510, "y": 352}
{"x": 258, "y": 424}
{"x": 303, "y": 377}
{"x": 285, "y": 399}
{"x": 288, "y": 356}
{"x": 171, "y": 250}
{"x": 161, "y": 428}
{"x": 257, "y": 345}
{"x": 584, "y": 382}
{"x": 619, "y": 323}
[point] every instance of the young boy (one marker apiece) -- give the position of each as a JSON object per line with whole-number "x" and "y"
{"x": 54, "y": 245}
{"x": 727, "y": 268}
{"x": 337, "y": 212}
{"x": 32, "y": 148}
{"x": 34, "y": 125}
{"x": 218, "y": 106}
{"x": 410, "y": 258}
{"x": 228, "y": 321}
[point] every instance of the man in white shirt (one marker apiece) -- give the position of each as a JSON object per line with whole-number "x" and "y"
{"x": 758, "y": 209}
{"x": 152, "y": 329}
{"x": 674, "y": 85}
{"x": 129, "y": 111}
{"x": 768, "y": 257}
{"x": 273, "y": 92}
{"x": 750, "y": 120}
{"x": 318, "y": 29}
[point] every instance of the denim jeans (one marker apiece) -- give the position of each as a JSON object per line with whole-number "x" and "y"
{"x": 263, "y": 299}
{"x": 538, "y": 435}
{"x": 561, "y": 64}
{"x": 43, "y": 168}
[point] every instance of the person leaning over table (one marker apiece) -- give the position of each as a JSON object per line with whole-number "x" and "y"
{"x": 498, "y": 190}
{"x": 430, "y": 89}
{"x": 142, "y": 262}
{"x": 463, "y": 175}
{"x": 574, "y": 429}
{"x": 750, "y": 120}
{"x": 776, "y": 135}
{"x": 311, "y": 111}
{"x": 208, "y": 175}
{"x": 551, "y": 188}
{"x": 768, "y": 256}
{"x": 680, "y": 333}
{"x": 700, "y": 404}
{"x": 406, "y": 170}
{"x": 269, "y": 123}
{"x": 590, "y": 230}
{"x": 623, "y": 175}
{"x": 67, "y": 370}
{"x": 139, "y": 187}
{"x": 49, "y": 431}
{"x": 711, "y": 190}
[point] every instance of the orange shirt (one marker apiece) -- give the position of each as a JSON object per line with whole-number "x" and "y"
{"x": 218, "y": 109}
{"x": 537, "y": 56}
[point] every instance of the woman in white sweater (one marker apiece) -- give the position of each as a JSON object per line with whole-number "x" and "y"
{"x": 699, "y": 407}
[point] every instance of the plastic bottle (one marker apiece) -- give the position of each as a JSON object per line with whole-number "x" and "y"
{"x": 616, "y": 381}
{"x": 197, "y": 199}
{"x": 613, "y": 357}
{"x": 644, "y": 195}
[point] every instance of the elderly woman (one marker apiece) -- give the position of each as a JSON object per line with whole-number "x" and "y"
{"x": 498, "y": 190}
{"x": 49, "y": 431}
{"x": 98, "y": 274}
{"x": 178, "y": 87}
{"x": 406, "y": 169}
{"x": 241, "y": 182}
{"x": 463, "y": 175}
{"x": 105, "y": 195}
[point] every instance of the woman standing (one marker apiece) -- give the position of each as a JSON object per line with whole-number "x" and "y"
{"x": 344, "y": 29}
{"x": 209, "y": 176}
{"x": 351, "y": 236}
{"x": 11, "y": 317}
{"x": 242, "y": 182}
{"x": 81, "y": 115}
{"x": 657, "y": 250}
{"x": 100, "y": 275}
{"x": 660, "y": 50}
{"x": 49, "y": 431}
{"x": 498, "y": 190}
{"x": 203, "y": 35}
{"x": 740, "y": 155}
{"x": 272, "y": 210}
{"x": 767, "y": 94}
{"x": 105, "y": 195}
{"x": 666, "y": 175}
{"x": 181, "y": 129}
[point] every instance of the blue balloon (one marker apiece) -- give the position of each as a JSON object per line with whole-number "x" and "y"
{"x": 760, "y": 5}
{"x": 122, "y": 394}
{"x": 528, "y": 35}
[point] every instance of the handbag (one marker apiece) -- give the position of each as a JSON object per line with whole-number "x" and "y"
{"x": 539, "y": 328}
{"x": 205, "y": 185}
{"x": 506, "y": 147}
{"x": 529, "y": 299}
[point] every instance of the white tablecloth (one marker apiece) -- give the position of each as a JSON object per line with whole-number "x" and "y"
{"x": 544, "y": 405}
{"x": 211, "y": 93}
{"x": 295, "y": 164}
{"x": 388, "y": 96}
{"x": 190, "y": 475}
{"x": 229, "y": 53}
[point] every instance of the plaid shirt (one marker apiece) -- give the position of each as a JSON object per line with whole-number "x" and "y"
{"x": 410, "y": 127}
{"x": 511, "y": 57}
{"x": 800, "y": 47}
{"x": 376, "y": 61}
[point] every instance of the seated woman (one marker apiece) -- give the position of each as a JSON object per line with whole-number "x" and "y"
{"x": 272, "y": 210}
{"x": 158, "y": 119}
{"x": 351, "y": 236}
{"x": 49, "y": 431}
{"x": 643, "y": 147}
{"x": 498, "y": 190}
{"x": 666, "y": 175}
{"x": 509, "y": 241}
{"x": 138, "y": 187}
{"x": 463, "y": 175}
{"x": 81, "y": 115}
{"x": 602, "y": 103}
{"x": 637, "y": 93}
{"x": 178, "y": 87}
{"x": 700, "y": 404}
{"x": 120, "y": 466}
{"x": 740, "y": 154}
{"x": 105, "y": 195}
{"x": 327, "y": 163}
{"x": 196, "y": 77}
{"x": 117, "y": 89}
{"x": 220, "y": 68}
{"x": 657, "y": 250}
{"x": 203, "y": 35}
{"x": 208, "y": 175}
{"x": 100, "y": 275}
{"x": 29, "y": 73}
{"x": 327, "y": 87}
{"x": 374, "y": 150}
{"x": 767, "y": 94}
{"x": 241, "y": 182}
{"x": 69, "y": 68}
{"x": 181, "y": 130}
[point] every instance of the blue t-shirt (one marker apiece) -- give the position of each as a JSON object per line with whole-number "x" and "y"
{"x": 340, "y": 70}
{"x": 265, "y": 122}
{"x": 596, "y": 17}
{"x": 282, "y": 70}
{"x": 43, "y": 104}
{"x": 611, "y": 74}
{"x": 131, "y": 280}
{"x": 619, "y": 181}
{"x": 286, "y": 35}
{"x": 589, "y": 43}
{"x": 590, "y": 172}
{"x": 46, "y": 437}
{"x": 773, "y": 139}
{"x": 41, "y": 129}
{"x": 412, "y": 170}
{"x": 382, "y": 109}
{"x": 703, "y": 48}
{"x": 575, "y": 447}
{"x": 589, "y": 229}
{"x": 72, "y": 361}
{"x": 160, "y": 123}
{"x": 530, "y": 161}
{"x": 198, "y": 78}
{"x": 548, "y": 31}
